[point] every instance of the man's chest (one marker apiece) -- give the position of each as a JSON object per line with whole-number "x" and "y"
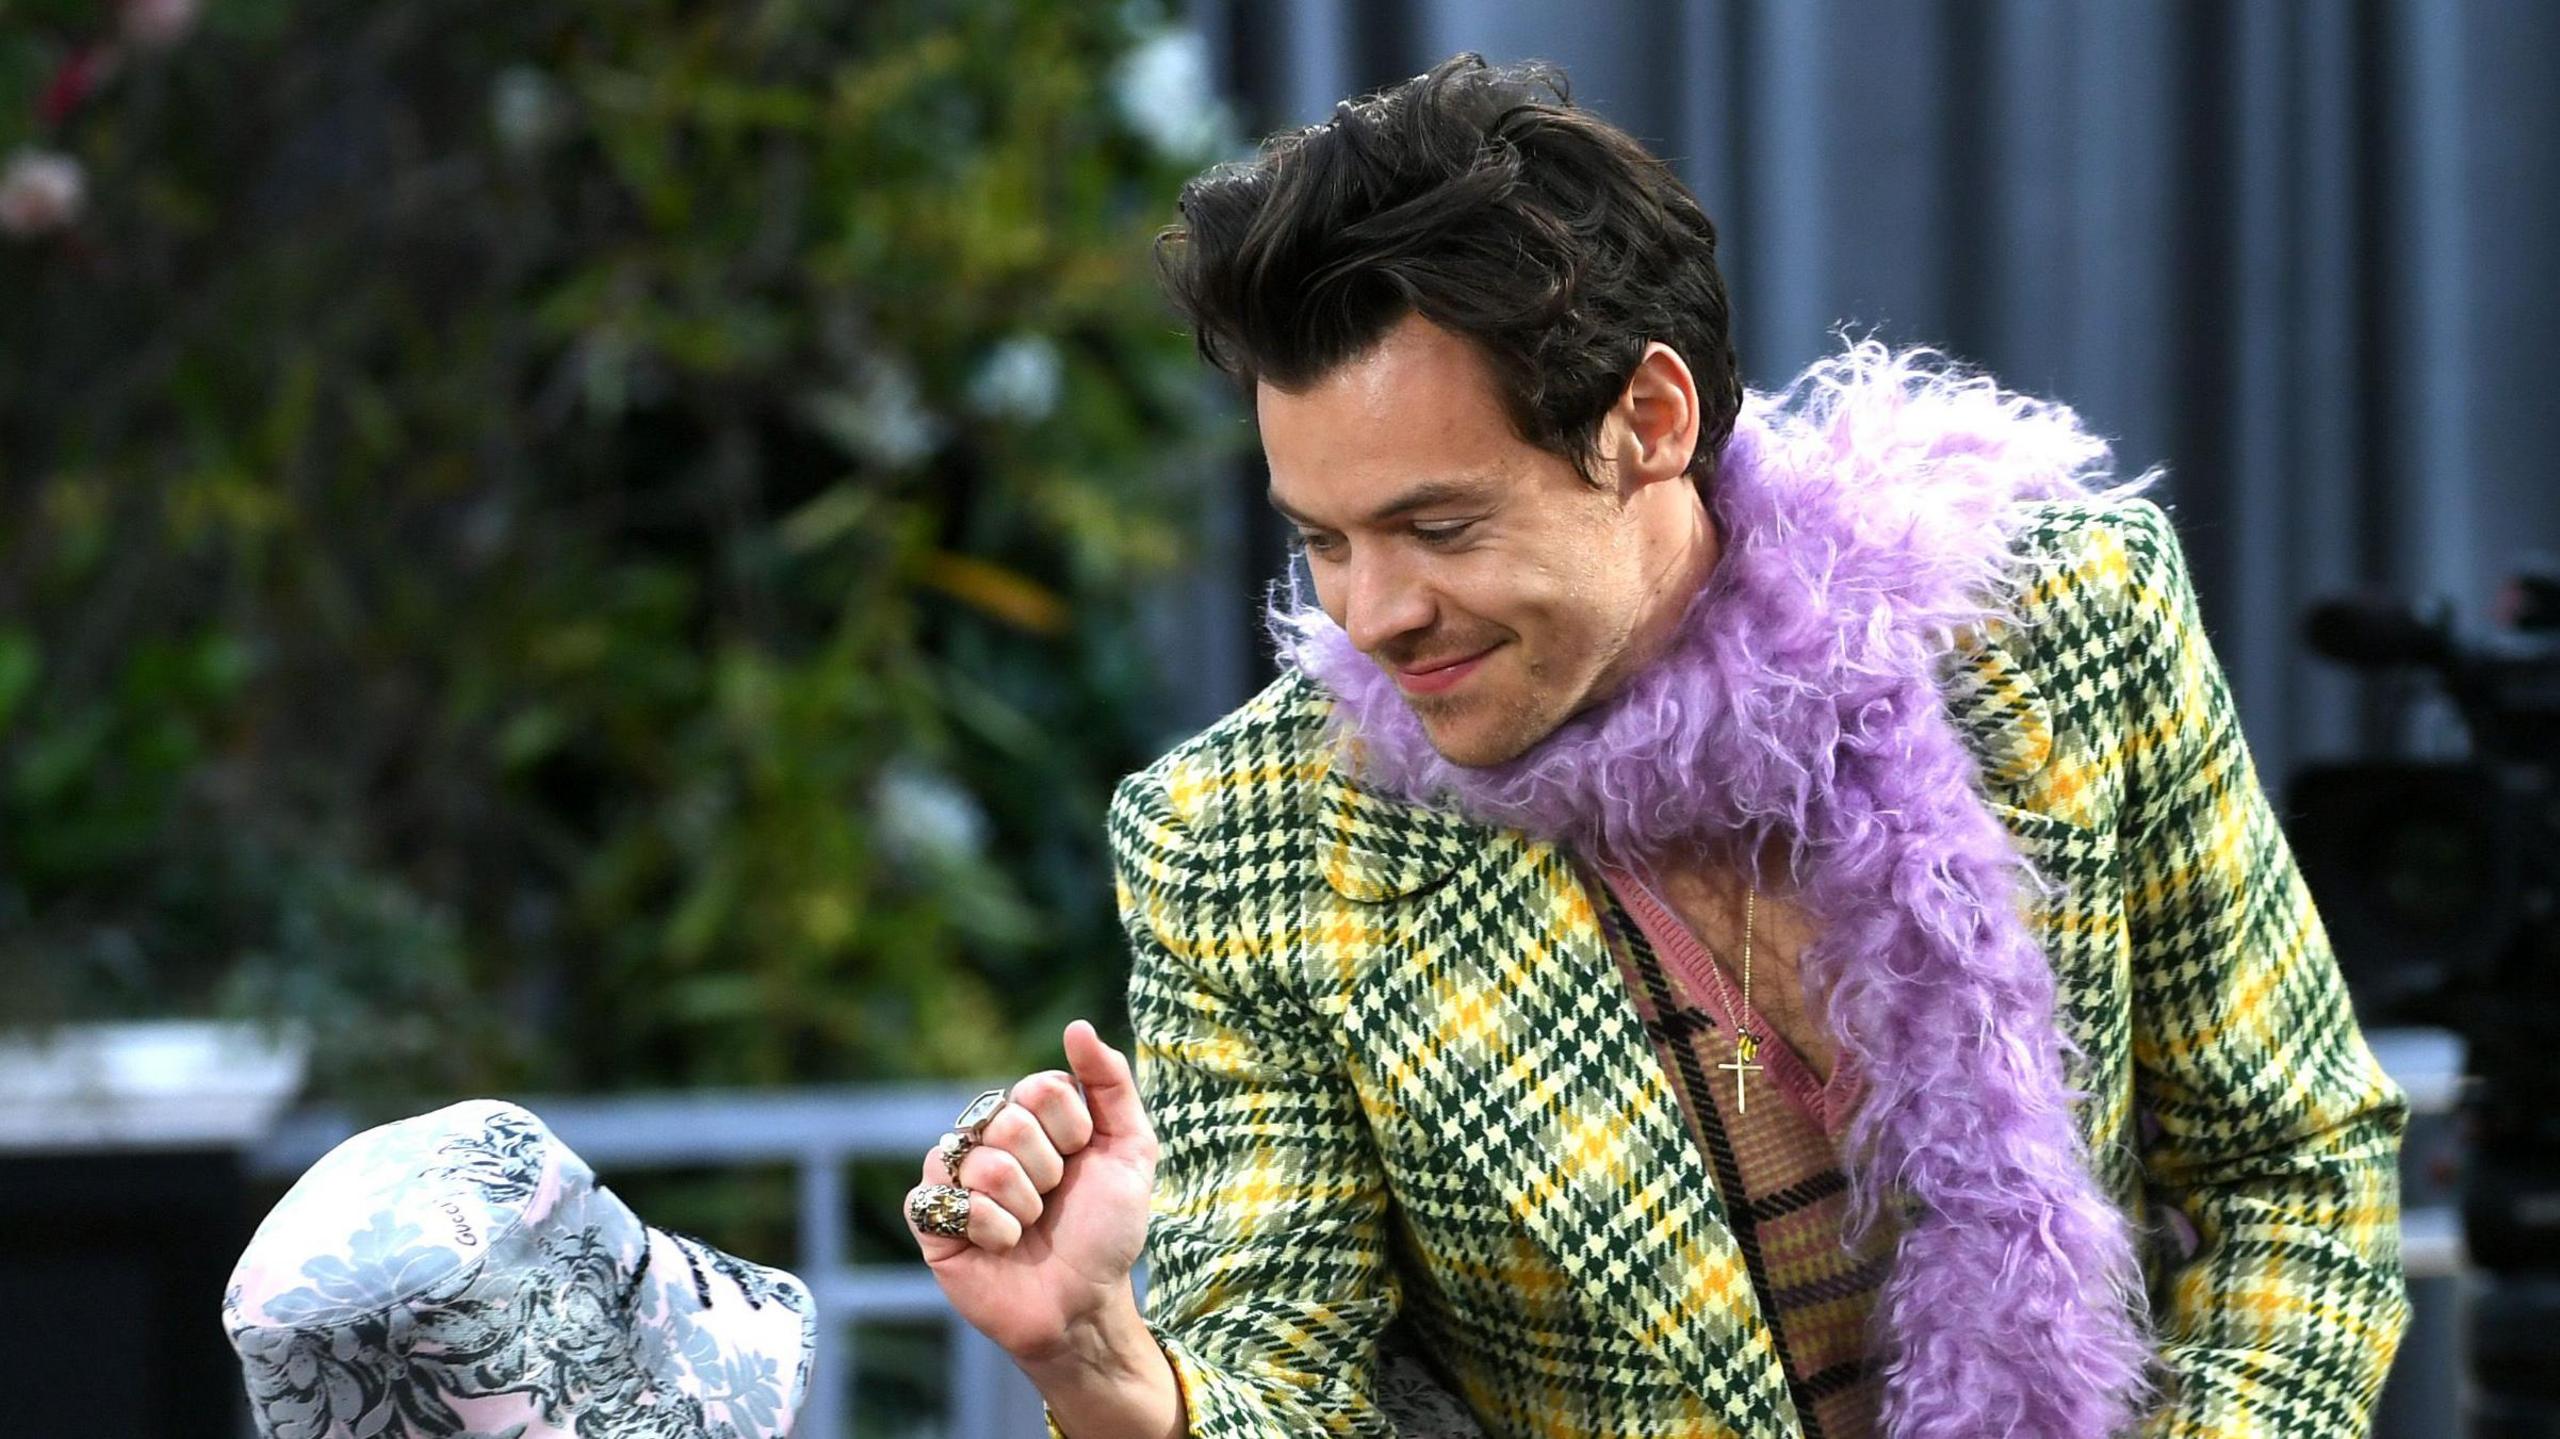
{"x": 1756, "y": 940}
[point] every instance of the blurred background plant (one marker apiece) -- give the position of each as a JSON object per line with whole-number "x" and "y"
{"x": 573, "y": 547}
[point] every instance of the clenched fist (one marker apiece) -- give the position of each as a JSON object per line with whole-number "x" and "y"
{"x": 1058, "y": 1189}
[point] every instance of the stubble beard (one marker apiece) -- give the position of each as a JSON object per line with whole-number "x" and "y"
{"x": 1522, "y": 717}
{"x": 1511, "y": 724}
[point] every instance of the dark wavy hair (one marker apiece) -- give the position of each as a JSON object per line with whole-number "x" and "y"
{"x": 1481, "y": 198}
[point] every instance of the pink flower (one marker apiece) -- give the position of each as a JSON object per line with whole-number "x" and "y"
{"x": 39, "y": 192}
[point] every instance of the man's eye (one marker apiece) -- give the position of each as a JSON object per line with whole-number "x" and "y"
{"x": 1315, "y": 544}
{"x": 1441, "y": 534}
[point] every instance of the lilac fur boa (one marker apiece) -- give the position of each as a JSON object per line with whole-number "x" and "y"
{"x": 1867, "y": 513}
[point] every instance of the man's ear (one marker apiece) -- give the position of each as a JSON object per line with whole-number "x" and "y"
{"x": 1659, "y": 408}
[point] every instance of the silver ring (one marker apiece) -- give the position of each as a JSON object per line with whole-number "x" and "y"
{"x": 954, "y": 1149}
{"x": 973, "y": 1120}
{"x": 940, "y": 1209}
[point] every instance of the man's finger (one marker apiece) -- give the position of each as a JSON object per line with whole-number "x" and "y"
{"x": 994, "y": 1175}
{"x": 1017, "y": 1131}
{"x": 991, "y": 1228}
{"x": 1110, "y": 1087}
{"x": 1052, "y": 1095}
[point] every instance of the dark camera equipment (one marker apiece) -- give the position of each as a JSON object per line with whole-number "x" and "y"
{"x": 2439, "y": 884}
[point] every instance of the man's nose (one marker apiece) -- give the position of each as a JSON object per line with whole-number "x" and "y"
{"x": 1383, "y": 602}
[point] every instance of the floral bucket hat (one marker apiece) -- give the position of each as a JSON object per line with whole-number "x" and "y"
{"x": 462, "y": 1275}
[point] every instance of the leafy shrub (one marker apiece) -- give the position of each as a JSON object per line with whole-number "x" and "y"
{"x": 583, "y": 546}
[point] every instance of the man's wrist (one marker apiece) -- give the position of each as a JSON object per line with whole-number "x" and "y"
{"x": 1110, "y": 1377}
{"x": 1108, "y": 1348}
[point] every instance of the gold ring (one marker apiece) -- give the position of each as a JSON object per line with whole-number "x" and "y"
{"x": 973, "y": 1120}
{"x": 940, "y": 1209}
{"x": 955, "y": 1148}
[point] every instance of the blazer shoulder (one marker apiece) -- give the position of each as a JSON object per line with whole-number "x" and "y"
{"x": 2099, "y": 611}
{"x": 1250, "y": 769}
{"x": 2090, "y": 534}
{"x": 1210, "y": 843}
{"x": 2080, "y": 567}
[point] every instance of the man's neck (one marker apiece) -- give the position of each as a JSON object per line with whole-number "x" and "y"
{"x": 1687, "y": 562}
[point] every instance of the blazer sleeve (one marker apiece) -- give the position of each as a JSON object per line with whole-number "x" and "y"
{"x": 1269, "y": 1278}
{"x": 2278, "y": 1134}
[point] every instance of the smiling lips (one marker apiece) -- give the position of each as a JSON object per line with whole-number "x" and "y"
{"x": 1434, "y": 678}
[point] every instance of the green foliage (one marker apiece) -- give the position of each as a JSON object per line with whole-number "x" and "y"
{"x": 583, "y": 546}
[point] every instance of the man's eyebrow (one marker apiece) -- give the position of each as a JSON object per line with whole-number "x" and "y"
{"x": 1421, "y": 497}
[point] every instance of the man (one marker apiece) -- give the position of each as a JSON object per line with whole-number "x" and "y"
{"x": 1745, "y": 915}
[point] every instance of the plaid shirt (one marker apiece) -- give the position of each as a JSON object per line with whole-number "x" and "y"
{"x": 1404, "y": 1098}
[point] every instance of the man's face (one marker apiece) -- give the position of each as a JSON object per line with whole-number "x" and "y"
{"x": 1502, "y": 591}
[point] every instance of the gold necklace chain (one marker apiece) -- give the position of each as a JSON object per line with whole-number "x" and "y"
{"x": 1750, "y": 902}
{"x": 1746, "y": 1045}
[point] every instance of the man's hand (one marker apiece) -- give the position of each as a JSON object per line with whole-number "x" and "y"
{"x": 1059, "y": 1187}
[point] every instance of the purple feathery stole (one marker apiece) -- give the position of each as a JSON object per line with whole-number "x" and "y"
{"x": 1867, "y": 515}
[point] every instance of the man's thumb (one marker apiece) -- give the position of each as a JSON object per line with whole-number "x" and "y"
{"x": 1110, "y": 1087}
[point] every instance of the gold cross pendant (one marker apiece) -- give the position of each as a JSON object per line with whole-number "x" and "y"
{"x": 1746, "y": 1047}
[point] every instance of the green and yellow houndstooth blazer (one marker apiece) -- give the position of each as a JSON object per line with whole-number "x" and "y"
{"x": 1403, "y": 1095}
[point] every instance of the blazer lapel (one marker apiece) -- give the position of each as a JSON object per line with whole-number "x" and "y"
{"x": 1373, "y": 849}
{"x": 1515, "y": 1048}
